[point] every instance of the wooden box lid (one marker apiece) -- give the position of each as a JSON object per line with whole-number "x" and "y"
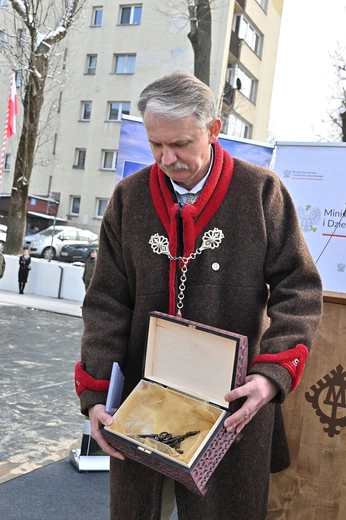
{"x": 192, "y": 358}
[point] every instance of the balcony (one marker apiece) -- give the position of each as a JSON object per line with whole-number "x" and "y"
{"x": 228, "y": 94}
{"x": 235, "y": 45}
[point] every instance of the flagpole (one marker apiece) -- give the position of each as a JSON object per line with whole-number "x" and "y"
{"x": 4, "y": 140}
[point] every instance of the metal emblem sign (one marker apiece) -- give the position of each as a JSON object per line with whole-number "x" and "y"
{"x": 328, "y": 398}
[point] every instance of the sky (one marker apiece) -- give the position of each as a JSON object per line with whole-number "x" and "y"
{"x": 310, "y": 31}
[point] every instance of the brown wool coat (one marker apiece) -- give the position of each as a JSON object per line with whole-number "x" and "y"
{"x": 263, "y": 246}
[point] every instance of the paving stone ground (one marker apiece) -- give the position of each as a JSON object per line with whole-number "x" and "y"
{"x": 39, "y": 411}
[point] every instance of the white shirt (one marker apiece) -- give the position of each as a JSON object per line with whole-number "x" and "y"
{"x": 183, "y": 195}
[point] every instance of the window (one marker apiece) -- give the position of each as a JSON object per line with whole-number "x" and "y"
{"x": 125, "y": 64}
{"x": 69, "y": 234}
{"x": 116, "y": 110}
{"x": 91, "y": 63}
{"x": 96, "y": 20}
{"x": 247, "y": 32}
{"x": 242, "y": 81}
{"x": 86, "y": 110}
{"x": 130, "y": 14}
{"x": 20, "y": 36}
{"x": 74, "y": 205}
{"x": 238, "y": 127}
{"x": 86, "y": 236}
{"x": 2, "y": 37}
{"x": 80, "y": 158}
{"x": 109, "y": 159}
{"x": 7, "y": 162}
{"x": 18, "y": 78}
{"x": 101, "y": 205}
{"x": 263, "y": 4}
{"x": 3, "y": 3}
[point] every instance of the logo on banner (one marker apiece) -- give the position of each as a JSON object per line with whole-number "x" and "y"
{"x": 309, "y": 218}
{"x": 303, "y": 175}
{"x": 329, "y": 400}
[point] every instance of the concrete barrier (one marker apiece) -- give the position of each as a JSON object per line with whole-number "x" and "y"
{"x": 52, "y": 279}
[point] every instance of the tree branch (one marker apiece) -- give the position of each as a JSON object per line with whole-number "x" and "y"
{"x": 20, "y": 8}
{"x": 66, "y": 21}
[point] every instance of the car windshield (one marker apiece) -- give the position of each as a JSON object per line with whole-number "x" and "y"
{"x": 49, "y": 232}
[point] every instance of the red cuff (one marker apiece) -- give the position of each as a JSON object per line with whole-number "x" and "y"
{"x": 83, "y": 381}
{"x": 293, "y": 360}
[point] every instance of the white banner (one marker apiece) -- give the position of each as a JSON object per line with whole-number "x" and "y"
{"x": 315, "y": 175}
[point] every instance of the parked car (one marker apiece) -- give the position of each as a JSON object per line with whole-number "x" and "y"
{"x": 48, "y": 243}
{"x": 3, "y": 236}
{"x": 77, "y": 252}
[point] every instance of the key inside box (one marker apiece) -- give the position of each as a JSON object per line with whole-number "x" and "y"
{"x": 152, "y": 408}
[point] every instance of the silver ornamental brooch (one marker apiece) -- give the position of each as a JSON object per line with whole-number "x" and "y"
{"x": 159, "y": 244}
{"x": 210, "y": 240}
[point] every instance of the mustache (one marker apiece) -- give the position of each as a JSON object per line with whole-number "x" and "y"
{"x": 175, "y": 166}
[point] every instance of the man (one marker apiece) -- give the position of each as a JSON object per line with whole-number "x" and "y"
{"x": 89, "y": 268}
{"x": 194, "y": 187}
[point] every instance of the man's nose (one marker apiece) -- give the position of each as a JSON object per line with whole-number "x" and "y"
{"x": 168, "y": 156}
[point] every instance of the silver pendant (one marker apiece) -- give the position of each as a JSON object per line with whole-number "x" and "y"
{"x": 190, "y": 199}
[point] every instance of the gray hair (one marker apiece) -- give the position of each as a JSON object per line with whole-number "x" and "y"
{"x": 179, "y": 94}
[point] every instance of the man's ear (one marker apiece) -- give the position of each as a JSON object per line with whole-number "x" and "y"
{"x": 214, "y": 130}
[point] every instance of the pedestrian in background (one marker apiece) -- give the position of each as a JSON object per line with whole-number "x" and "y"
{"x": 89, "y": 268}
{"x": 24, "y": 268}
{"x": 2, "y": 265}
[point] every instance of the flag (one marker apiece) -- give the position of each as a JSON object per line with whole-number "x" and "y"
{"x": 12, "y": 108}
{"x": 10, "y": 124}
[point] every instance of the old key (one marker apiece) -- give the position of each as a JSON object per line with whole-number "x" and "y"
{"x": 168, "y": 439}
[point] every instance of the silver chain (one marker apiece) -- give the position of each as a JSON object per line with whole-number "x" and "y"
{"x": 183, "y": 277}
{"x": 159, "y": 244}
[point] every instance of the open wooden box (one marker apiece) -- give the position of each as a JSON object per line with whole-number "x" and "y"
{"x": 188, "y": 369}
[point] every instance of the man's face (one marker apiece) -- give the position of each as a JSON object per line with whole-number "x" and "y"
{"x": 180, "y": 147}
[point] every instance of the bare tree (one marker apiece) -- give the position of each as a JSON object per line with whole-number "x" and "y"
{"x": 343, "y": 122}
{"x": 337, "y": 112}
{"x": 200, "y": 37}
{"x": 37, "y": 41}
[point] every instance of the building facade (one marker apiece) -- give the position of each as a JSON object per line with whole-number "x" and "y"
{"x": 113, "y": 52}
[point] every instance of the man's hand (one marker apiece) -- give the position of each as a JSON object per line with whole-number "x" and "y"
{"x": 259, "y": 390}
{"x": 98, "y": 418}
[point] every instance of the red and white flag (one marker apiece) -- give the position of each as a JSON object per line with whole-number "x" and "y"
{"x": 12, "y": 108}
{"x": 10, "y": 123}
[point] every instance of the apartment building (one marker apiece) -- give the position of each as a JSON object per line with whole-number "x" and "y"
{"x": 115, "y": 50}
